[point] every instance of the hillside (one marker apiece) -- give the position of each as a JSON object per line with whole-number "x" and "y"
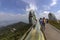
{"x": 54, "y": 23}
{"x": 7, "y": 33}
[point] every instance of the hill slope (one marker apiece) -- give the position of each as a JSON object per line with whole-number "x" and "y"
{"x": 7, "y": 33}
{"x": 54, "y": 23}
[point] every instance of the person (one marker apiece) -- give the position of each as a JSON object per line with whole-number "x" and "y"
{"x": 41, "y": 20}
{"x": 46, "y": 20}
{"x": 43, "y": 23}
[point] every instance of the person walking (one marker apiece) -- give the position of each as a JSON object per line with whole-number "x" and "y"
{"x": 41, "y": 20}
{"x": 43, "y": 23}
{"x": 46, "y": 20}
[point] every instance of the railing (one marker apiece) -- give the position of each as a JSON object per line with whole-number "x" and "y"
{"x": 25, "y": 35}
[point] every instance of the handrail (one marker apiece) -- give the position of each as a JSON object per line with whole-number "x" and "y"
{"x": 25, "y": 35}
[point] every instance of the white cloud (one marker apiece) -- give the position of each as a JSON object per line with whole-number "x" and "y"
{"x": 44, "y": 14}
{"x": 5, "y": 16}
{"x": 32, "y": 5}
{"x": 12, "y": 18}
{"x": 54, "y": 2}
{"x": 58, "y": 11}
{"x": 30, "y": 1}
{"x": 58, "y": 14}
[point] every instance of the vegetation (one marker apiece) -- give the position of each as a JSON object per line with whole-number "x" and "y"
{"x": 7, "y": 33}
{"x": 55, "y": 23}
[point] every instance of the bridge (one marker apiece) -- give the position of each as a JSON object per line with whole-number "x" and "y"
{"x": 35, "y": 32}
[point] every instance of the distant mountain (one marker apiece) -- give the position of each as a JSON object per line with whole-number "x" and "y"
{"x": 5, "y": 23}
{"x": 8, "y": 31}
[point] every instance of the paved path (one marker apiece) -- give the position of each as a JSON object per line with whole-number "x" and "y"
{"x": 35, "y": 34}
{"x": 52, "y": 33}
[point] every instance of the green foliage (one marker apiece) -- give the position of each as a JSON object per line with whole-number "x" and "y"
{"x": 7, "y": 34}
{"x": 54, "y": 23}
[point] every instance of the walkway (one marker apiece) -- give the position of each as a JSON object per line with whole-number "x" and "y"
{"x": 52, "y": 33}
{"x": 35, "y": 34}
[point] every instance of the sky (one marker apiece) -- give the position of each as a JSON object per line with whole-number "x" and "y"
{"x": 17, "y": 10}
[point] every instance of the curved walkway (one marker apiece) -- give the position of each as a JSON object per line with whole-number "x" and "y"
{"x": 52, "y": 33}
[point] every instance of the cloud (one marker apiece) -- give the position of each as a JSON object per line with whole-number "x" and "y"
{"x": 46, "y": 7}
{"x": 32, "y": 5}
{"x": 58, "y": 11}
{"x": 8, "y": 18}
{"x": 30, "y": 1}
{"x": 11, "y": 17}
{"x": 58, "y": 14}
{"x": 44, "y": 14}
{"x": 54, "y": 2}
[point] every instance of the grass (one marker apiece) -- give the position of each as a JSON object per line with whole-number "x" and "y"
{"x": 54, "y": 23}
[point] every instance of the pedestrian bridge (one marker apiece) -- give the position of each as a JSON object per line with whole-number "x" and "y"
{"x": 34, "y": 33}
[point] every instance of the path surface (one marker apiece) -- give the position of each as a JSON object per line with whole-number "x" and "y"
{"x": 52, "y": 33}
{"x": 35, "y": 34}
